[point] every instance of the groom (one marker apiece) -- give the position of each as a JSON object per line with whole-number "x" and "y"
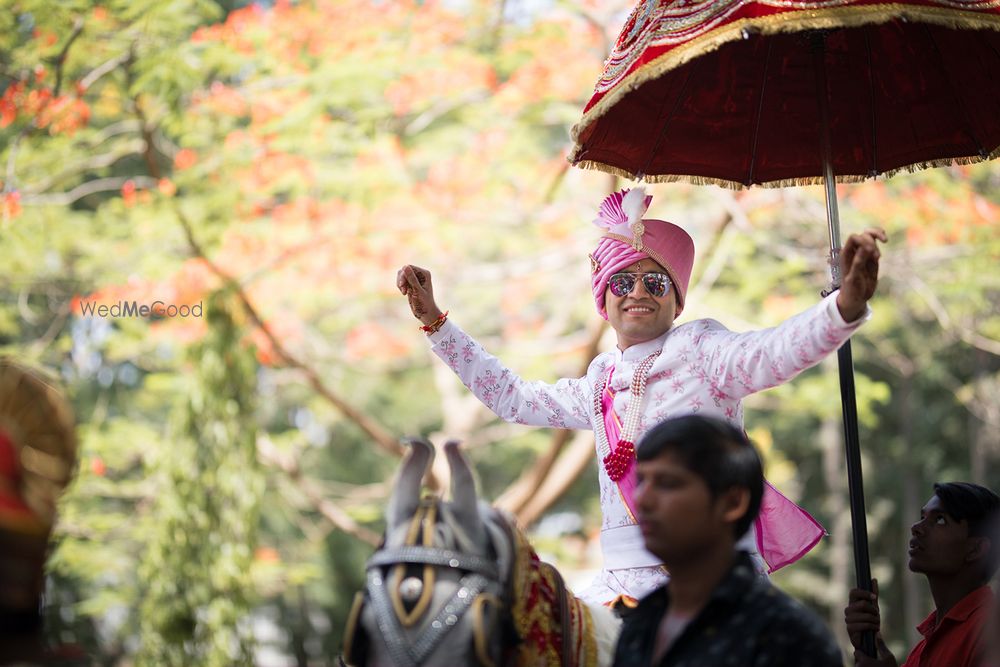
{"x": 639, "y": 275}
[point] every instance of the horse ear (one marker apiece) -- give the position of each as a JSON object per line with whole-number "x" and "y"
{"x": 463, "y": 494}
{"x": 406, "y": 495}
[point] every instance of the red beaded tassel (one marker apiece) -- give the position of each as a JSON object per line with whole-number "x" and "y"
{"x": 617, "y": 462}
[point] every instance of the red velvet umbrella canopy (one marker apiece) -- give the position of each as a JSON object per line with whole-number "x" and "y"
{"x": 725, "y": 91}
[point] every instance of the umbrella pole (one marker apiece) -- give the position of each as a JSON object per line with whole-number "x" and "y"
{"x": 855, "y": 483}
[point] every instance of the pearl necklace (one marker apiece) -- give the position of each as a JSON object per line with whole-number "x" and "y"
{"x": 617, "y": 463}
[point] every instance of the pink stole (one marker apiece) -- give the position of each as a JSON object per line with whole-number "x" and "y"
{"x": 613, "y": 429}
{"x": 785, "y": 531}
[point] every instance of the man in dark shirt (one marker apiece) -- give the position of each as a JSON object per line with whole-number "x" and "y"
{"x": 699, "y": 487}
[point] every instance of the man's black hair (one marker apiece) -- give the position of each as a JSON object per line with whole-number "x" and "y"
{"x": 714, "y": 450}
{"x": 980, "y": 508}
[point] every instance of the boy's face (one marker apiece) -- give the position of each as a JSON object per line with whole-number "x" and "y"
{"x": 939, "y": 544}
{"x": 679, "y": 519}
{"x": 639, "y": 316}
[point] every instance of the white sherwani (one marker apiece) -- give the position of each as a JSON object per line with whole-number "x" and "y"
{"x": 703, "y": 368}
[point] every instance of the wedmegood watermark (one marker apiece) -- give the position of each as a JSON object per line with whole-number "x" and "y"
{"x": 136, "y": 309}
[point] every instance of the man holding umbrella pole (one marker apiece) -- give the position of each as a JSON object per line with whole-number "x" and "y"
{"x": 639, "y": 274}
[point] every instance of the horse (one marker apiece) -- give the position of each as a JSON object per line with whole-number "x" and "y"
{"x": 457, "y": 583}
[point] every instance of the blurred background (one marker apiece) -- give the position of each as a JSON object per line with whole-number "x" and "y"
{"x": 255, "y": 174}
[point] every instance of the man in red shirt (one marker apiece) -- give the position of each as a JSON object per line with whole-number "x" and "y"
{"x": 956, "y": 545}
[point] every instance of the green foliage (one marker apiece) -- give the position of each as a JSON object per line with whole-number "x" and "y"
{"x": 208, "y": 496}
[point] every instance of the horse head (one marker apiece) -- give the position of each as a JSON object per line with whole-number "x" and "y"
{"x": 435, "y": 591}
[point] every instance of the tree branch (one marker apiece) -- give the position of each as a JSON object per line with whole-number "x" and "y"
{"x": 517, "y": 496}
{"x": 574, "y": 460}
{"x": 90, "y": 187}
{"x": 93, "y": 162}
{"x": 273, "y": 457}
{"x": 601, "y": 26}
{"x": 9, "y": 181}
{"x": 146, "y": 129}
{"x": 60, "y": 60}
{"x": 439, "y": 109}
{"x": 970, "y": 337}
{"x": 381, "y": 437}
{"x": 55, "y": 326}
{"x": 102, "y": 69}
{"x": 496, "y": 34}
{"x": 718, "y": 250}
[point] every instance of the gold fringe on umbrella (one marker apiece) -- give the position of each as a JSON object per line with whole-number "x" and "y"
{"x": 785, "y": 182}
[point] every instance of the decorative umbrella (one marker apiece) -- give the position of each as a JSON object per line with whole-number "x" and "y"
{"x": 37, "y": 460}
{"x": 789, "y": 92}
{"x": 37, "y": 449}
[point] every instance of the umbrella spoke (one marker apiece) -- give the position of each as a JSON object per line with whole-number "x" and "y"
{"x": 965, "y": 123}
{"x": 874, "y": 171}
{"x": 755, "y": 134}
{"x": 666, "y": 121}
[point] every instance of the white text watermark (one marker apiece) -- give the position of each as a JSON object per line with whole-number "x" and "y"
{"x": 136, "y": 309}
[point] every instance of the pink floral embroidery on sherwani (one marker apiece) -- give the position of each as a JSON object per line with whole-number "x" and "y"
{"x": 783, "y": 531}
{"x": 703, "y": 367}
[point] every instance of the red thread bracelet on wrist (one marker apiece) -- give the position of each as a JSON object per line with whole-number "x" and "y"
{"x": 436, "y": 324}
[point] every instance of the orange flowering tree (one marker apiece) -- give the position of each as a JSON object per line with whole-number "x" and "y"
{"x": 291, "y": 156}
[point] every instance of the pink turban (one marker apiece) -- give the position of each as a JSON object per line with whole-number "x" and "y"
{"x": 629, "y": 239}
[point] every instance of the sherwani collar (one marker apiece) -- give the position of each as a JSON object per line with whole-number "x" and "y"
{"x": 640, "y": 351}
